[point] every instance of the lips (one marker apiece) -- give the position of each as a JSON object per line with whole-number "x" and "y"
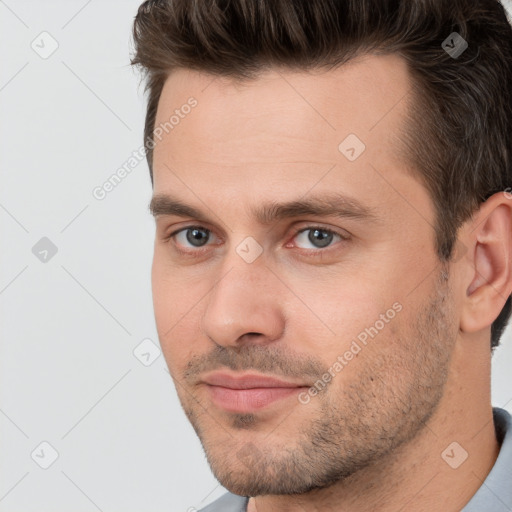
{"x": 248, "y": 381}
{"x": 249, "y": 392}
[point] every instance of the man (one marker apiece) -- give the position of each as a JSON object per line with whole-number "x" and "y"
{"x": 333, "y": 252}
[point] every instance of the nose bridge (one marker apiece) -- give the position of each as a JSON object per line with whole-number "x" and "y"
{"x": 243, "y": 300}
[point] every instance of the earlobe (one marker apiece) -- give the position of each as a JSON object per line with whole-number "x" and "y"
{"x": 490, "y": 264}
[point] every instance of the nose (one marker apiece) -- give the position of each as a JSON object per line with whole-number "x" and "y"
{"x": 244, "y": 305}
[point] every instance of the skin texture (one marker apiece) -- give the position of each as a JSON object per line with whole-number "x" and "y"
{"x": 373, "y": 438}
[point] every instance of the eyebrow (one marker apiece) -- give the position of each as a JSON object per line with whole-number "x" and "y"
{"x": 330, "y": 204}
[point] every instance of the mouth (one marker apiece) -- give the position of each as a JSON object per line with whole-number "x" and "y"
{"x": 249, "y": 400}
{"x": 249, "y": 392}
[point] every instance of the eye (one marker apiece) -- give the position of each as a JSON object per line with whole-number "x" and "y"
{"x": 196, "y": 236}
{"x": 319, "y": 237}
{"x": 193, "y": 240}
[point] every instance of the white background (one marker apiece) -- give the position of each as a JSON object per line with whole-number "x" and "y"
{"x": 70, "y": 325}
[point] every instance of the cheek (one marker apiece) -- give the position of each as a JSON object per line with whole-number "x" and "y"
{"x": 362, "y": 315}
{"x": 164, "y": 298}
{"x": 179, "y": 346}
{"x": 340, "y": 307}
{"x": 171, "y": 292}
{"x": 176, "y": 305}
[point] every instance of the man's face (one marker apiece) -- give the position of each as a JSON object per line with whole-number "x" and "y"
{"x": 351, "y": 306}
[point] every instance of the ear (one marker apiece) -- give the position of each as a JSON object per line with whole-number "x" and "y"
{"x": 488, "y": 263}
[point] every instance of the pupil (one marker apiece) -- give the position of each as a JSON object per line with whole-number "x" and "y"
{"x": 323, "y": 240}
{"x": 196, "y": 236}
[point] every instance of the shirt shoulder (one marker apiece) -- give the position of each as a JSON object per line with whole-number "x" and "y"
{"x": 495, "y": 494}
{"x": 227, "y": 503}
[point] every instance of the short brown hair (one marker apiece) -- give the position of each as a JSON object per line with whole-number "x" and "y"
{"x": 457, "y": 135}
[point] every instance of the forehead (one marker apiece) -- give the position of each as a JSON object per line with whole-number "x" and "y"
{"x": 307, "y": 113}
{"x": 283, "y": 130}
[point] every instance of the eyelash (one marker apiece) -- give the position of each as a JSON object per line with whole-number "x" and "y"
{"x": 199, "y": 251}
